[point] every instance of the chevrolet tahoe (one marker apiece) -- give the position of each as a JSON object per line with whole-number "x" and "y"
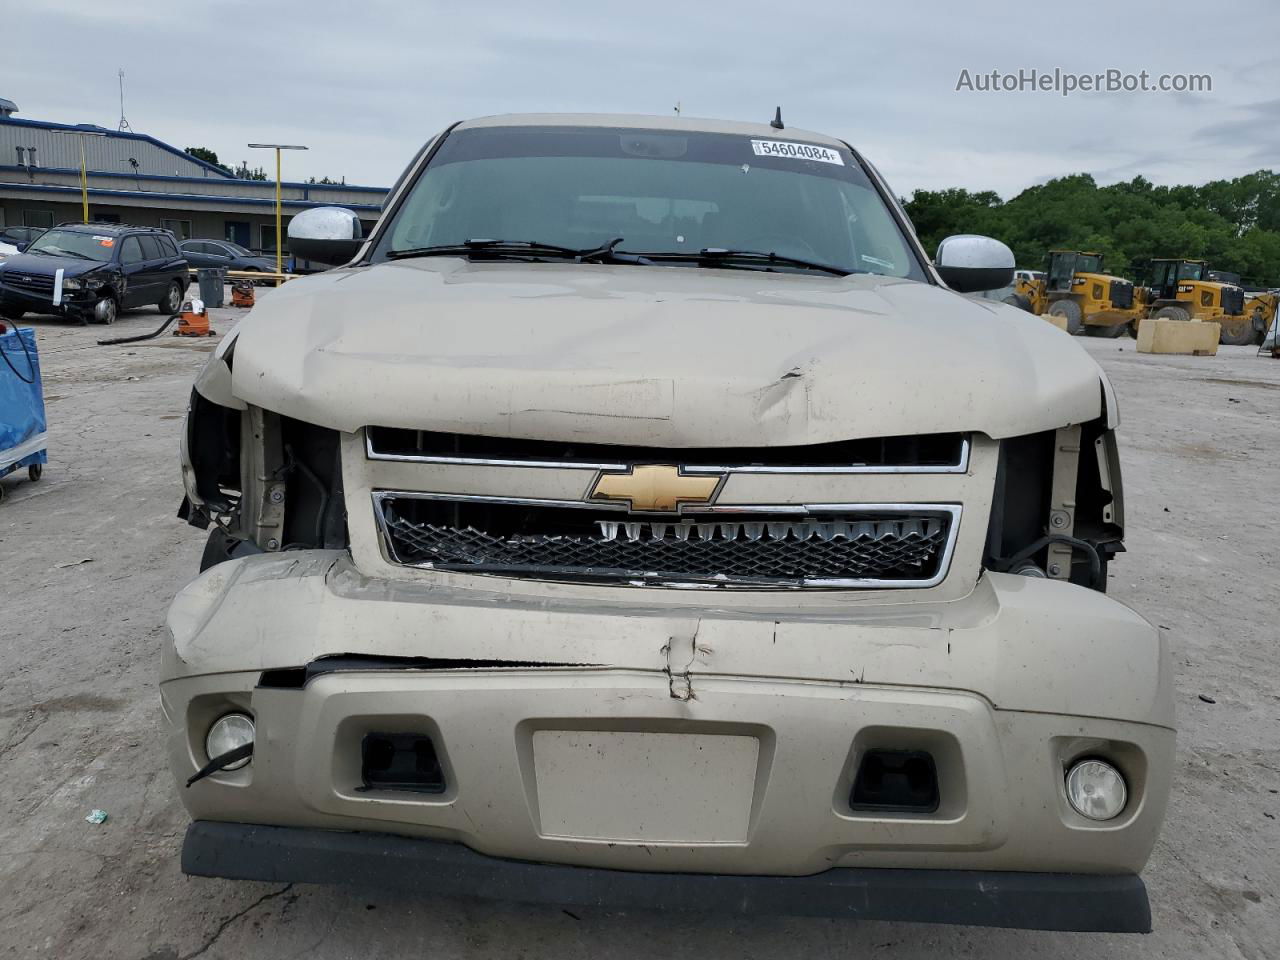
{"x": 640, "y": 517}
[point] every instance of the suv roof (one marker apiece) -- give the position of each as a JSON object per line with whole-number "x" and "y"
{"x": 644, "y": 122}
{"x": 103, "y": 227}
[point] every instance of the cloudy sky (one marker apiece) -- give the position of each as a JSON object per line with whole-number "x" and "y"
{"x": 364, "y": 84}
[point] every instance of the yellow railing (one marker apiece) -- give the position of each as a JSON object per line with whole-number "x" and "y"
{"x": 279, "y": 278}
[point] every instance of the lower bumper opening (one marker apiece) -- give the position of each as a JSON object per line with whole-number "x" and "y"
{"x": 1033, "y": 901}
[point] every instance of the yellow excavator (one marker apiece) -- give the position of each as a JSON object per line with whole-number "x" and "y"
{"x": 1075, "y": 289}
{"x": 1183, "y": 289}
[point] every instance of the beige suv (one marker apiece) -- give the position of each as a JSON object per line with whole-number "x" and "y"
{"x": 639, "y": 517}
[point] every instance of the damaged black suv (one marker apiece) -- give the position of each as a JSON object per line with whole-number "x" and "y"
{"x": 92, "y": 271}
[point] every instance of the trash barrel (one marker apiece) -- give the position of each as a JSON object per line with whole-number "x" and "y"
{"x": 211, "y": 280}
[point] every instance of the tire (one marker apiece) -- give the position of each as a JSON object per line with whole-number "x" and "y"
{"x": 1239, "y": 334}
{"x": 1109, "y": 332}
{"x": 1019, "y": 301}
{"x": 1071, "y": 310}
{"x": 35, "y": 472}
{"x": 1173, "y": 313}
{"x": 110, "y": 307}
{"x": 172, "y": 301}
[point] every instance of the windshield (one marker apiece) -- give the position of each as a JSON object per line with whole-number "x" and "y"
{"x": 661, "y": 192}
{"x": 1190, "y": 270}
{"x": 74, "y": 243}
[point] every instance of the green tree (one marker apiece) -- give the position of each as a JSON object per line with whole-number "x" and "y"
{"x": 1233, "y": 224}
{"x": 208, "y": 156}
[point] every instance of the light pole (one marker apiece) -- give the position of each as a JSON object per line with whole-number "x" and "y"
{"x": 84, "y": 174}
{"x": 277, "y": 147}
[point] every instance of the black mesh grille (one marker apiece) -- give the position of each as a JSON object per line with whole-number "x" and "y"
{"x": 1121, "y": 294}
{"x": 1232, "y": 300}
{"x": 747, "y": 548}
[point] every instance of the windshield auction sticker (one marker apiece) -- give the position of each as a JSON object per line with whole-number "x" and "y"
{"x": 796, "y": 151}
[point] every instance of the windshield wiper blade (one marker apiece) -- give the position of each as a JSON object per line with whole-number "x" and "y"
{"x": 605, "y": 253}
{"x": 471, "y": 247}
{"x": 62, "y": 253}
{"x": 723, "y": 255}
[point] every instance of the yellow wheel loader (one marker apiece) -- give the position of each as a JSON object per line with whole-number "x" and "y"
{"x": 1183, "y": 290}
{"x": 1081, "y": 297}
{"x": 1260, "y": 308}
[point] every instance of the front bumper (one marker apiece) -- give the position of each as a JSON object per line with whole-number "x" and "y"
{"x": 1038, "y": 901}
{"x": 650, "y": 736}
{"x": 74, "y": 302}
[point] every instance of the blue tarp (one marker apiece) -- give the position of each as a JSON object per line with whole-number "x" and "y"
{"x": 22, "y": 423}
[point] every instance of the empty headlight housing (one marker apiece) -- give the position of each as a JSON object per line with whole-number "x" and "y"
{"x": 227, "y": 733}
{"x": 1095, "y": 789}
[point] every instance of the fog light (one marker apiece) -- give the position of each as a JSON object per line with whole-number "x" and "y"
{"x": 1096, "y": 790}
{"x": 232, "y": 731}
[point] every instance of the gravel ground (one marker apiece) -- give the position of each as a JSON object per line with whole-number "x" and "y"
{"x": 91, "y": 555}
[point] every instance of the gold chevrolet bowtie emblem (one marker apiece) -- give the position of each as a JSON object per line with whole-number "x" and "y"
{"x": 655, "y": 488}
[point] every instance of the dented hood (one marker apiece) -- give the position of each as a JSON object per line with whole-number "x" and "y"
{"x": 654, "y": 356}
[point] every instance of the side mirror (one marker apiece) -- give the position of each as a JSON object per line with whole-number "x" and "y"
{"x": 22, "y": 245}
{"x": 969, "y": 263}
{"x": 325, "y": 234}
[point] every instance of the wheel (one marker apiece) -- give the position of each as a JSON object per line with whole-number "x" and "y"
{"x": 1019, "y": 301}
{"x": 106, "y": 310}
{"x": 35, "y": 472}
{"x": 172, "y": 301}
{"x": 1173, "y": 313}
{"x": 1071, "y": 311}
{"x": 1238, "y": 332}
{"x": 1109, "y": 332}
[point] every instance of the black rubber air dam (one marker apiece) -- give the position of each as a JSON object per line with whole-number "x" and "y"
{"x": 1032, "y": 901}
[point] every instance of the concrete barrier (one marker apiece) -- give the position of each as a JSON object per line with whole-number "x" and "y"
{"x": 1162, "y": 335}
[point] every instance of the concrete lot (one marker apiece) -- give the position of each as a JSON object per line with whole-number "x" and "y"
{"x": 79, "y": 708}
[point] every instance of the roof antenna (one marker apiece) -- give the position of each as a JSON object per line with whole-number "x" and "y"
{"x": 776, "y": 122}
{"x": 124, "y": 124}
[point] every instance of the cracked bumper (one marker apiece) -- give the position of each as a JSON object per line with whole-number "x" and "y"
{"x": 74, "y": 303}
{"x": 642, "y": 734}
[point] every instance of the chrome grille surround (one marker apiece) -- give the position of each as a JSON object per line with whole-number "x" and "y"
{"x": 842, "y": 545}
{"x": 961, "y": 464}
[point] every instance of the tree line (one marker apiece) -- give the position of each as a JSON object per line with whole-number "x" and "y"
{"x": 244, "y": 171}
{"x": 1233, "y": 224}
